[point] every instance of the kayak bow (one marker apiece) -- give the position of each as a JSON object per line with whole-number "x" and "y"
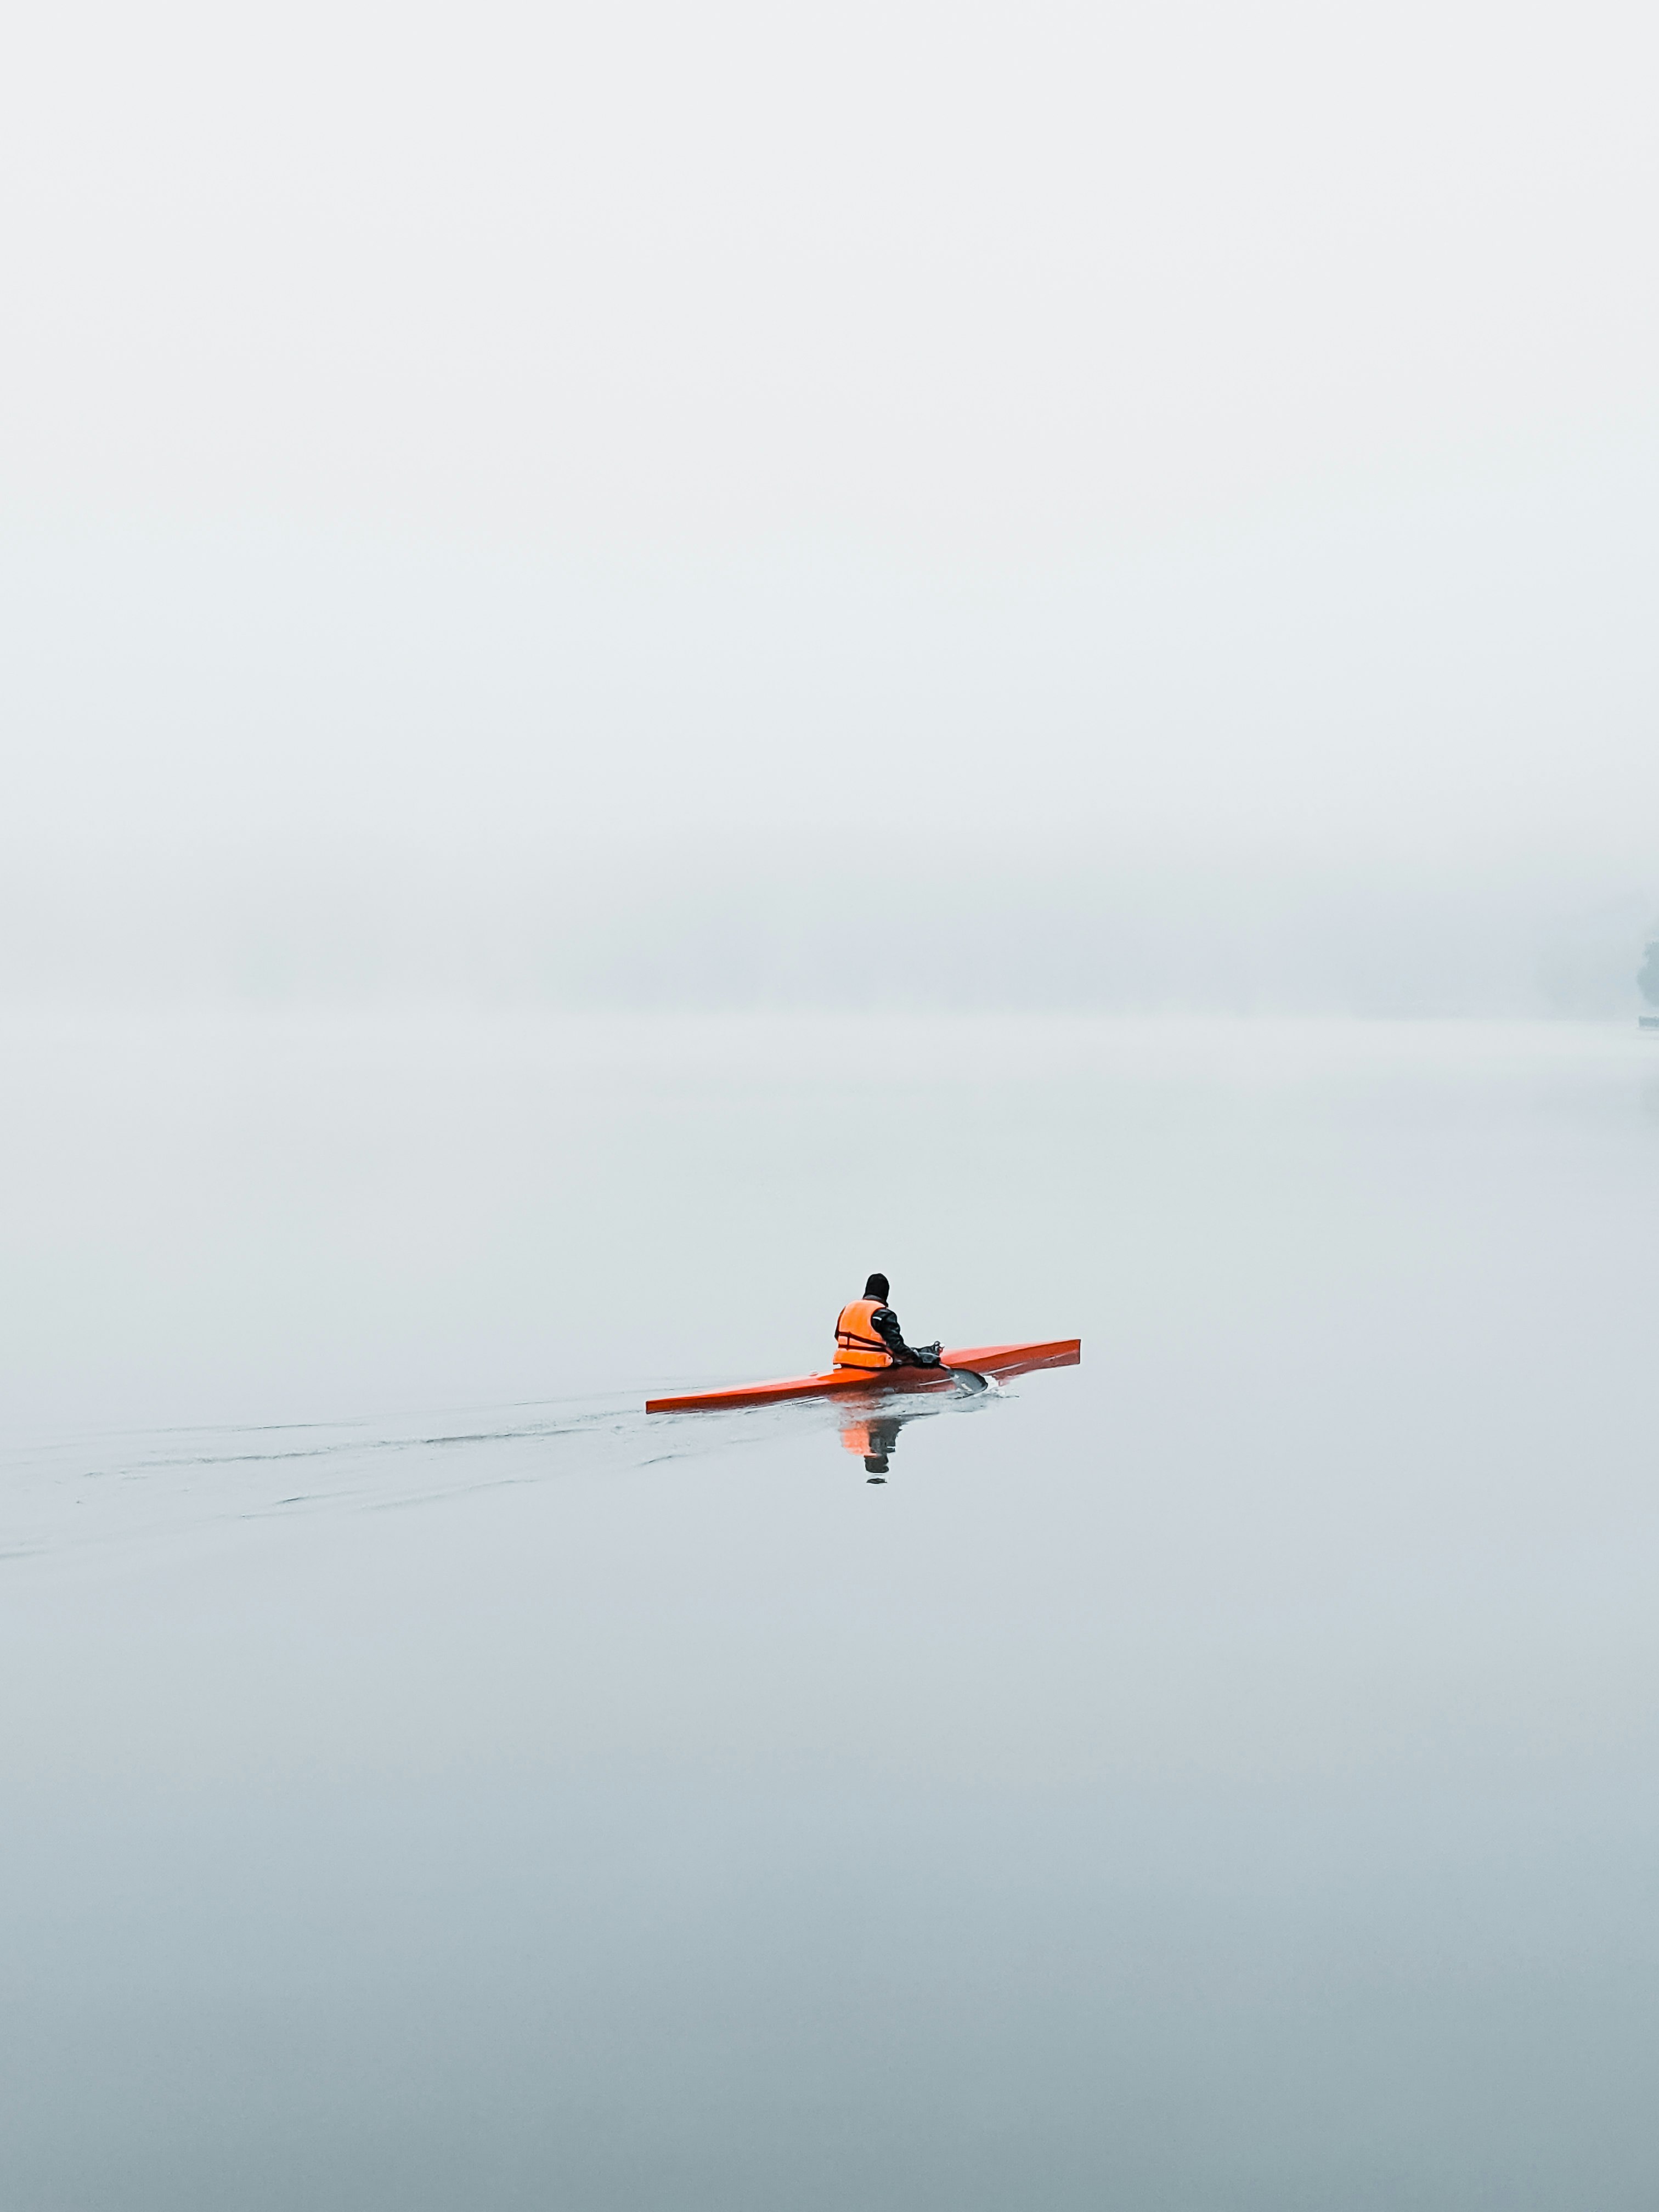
{"x": 999, "y": 1360}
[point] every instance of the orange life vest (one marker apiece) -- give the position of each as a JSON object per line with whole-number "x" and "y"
{"x": 857, "y": 1343}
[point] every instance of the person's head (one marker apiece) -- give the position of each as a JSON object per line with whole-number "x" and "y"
{"x": 877, "y": 1287}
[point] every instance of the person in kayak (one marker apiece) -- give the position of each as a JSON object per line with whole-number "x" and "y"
{"x": 867, "y": 1333}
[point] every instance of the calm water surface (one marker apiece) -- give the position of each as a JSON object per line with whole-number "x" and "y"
{"x": 1224, "y": 1776}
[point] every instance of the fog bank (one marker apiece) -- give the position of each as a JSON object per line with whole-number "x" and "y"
{"x": 1390, "y": 752}
{"x": 799, "y": 923}
{"x": 1142, "y": 509}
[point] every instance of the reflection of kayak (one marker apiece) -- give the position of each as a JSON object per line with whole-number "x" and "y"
{"x": 984, "y": 1359}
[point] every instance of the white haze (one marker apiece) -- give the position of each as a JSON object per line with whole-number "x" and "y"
{"x": 1155, "y": 503}
{"x": 1018, "y": 542}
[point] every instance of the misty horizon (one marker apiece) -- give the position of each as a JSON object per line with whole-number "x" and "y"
{"x": 346, "y": 925}
{"x": 1384, "y": 756}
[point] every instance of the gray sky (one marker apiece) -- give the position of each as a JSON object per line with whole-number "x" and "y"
{"x": 1171, "y": 446}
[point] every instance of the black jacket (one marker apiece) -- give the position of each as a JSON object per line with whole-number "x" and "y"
{"x": 885, "y": 1323}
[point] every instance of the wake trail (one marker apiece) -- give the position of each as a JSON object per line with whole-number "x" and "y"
{"x": 111, "y": 1488}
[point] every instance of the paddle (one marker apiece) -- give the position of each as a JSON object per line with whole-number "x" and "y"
{"x": 967, "y": 1374}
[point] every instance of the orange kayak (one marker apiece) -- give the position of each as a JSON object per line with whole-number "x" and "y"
{"x": 999, "y": 1360}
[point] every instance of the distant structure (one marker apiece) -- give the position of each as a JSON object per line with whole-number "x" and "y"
{"x": 1647, "y": 982}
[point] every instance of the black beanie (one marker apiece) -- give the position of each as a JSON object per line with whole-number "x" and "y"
{"x": 876, "y": 1287}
